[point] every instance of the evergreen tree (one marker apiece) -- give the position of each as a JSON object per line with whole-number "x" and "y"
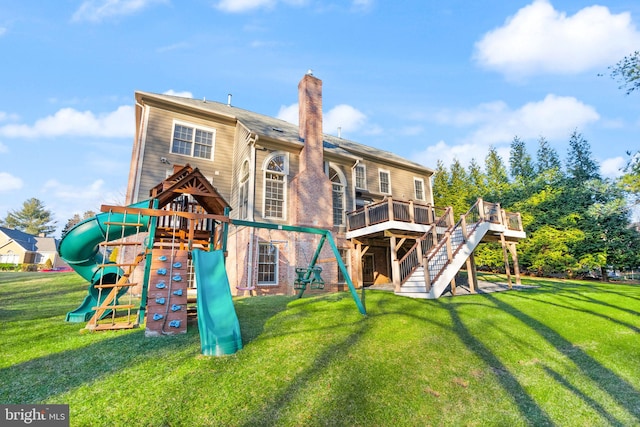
{"x": 477, "y": 179}
{"x": 520, "y": 162}
{"x": 441, "y": 185}
{"x": 33, "y": 219}
{"x": 459, "y": 187}
{"x": 580, "y": 165}
{"x": 547, "y": 157}
{"x": 497, "y": 180}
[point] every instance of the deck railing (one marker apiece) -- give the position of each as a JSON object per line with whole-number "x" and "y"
{"x": 436, "y": 248}
{"x": 392, "y": 210}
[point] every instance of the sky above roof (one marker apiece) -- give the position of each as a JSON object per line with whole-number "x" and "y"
{"x": 426, "y": 80}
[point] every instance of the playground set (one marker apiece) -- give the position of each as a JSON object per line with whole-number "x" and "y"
{"x": 178, "y": 238}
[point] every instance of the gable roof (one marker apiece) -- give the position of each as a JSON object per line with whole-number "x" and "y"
{"x": 188, "y": 180}
{"x": 29, "y": 242}
{"x": 277, "y": 129}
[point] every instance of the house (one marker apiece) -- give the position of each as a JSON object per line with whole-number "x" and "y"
{"x": 377, "y": 204}
{"x": 18, "y": 247}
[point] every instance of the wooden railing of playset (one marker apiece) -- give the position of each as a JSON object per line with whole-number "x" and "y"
{"x": 393, "y": 210}
{"x": 435, "y": 249}
{"x": 189, "y": 221}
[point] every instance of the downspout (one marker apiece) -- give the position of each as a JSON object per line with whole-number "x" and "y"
{"x": 250, "y": 207}
{"x": 139, "y": 155}
{"x": 353, "y": 177}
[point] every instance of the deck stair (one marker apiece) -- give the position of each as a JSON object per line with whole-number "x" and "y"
{"x": 431, "y": 265}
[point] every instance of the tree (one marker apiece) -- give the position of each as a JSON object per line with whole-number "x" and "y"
{"x": 580, "y": 165}
{"x": 75, "y": 220}
{"x": 520, "y": 163}
{"x": 33, "y": 218}
{"x": 630, "y": 181}
{"x": 459, "y": 188}
{"x": 477, "y": 180}
{"x": 497, "y": 180}
{"x": 627, "y": 72}
{"x": 440, "y": 185}
{"x": 547, "y": 157}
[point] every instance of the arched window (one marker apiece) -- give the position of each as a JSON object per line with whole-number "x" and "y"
{"x": 243, "y": 194}
{"x": 337, "y": 185}
{"x": 275, "y": 185}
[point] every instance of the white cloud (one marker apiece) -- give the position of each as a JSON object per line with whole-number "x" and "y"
{"x": 289, "y": 113}
{"x": 98, "y": 10}
{"x": 184, "y": 94}
{"x": 240, "y": 6}
{"x": 612, "y": 168}
{"x": 7, "y": 117}
{"x": 3, "y": 30}
{"x": 172, "y": 47}
{"x": 345, "y": 117}
{"x": 71, "y": 122}
{"x": 9, "y": 182}
{"x": 554, "y": 116}
{"x": 3, "y": 148}
{"x": 539, "y": 39}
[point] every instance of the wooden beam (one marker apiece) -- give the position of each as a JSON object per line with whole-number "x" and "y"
{"x": 506, "y": 259}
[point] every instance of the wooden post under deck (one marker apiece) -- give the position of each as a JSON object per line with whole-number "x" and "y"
{"x": 472, "y": 275}
{"x": 507, "y": 269}
{"x": 395, "y": 265}
{"x": 516, "y": 265}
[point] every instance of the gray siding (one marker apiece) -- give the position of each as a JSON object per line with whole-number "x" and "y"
{"x": 158, "y": 145}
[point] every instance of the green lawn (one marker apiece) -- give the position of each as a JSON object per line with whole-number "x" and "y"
{"x": 565, "y": 353}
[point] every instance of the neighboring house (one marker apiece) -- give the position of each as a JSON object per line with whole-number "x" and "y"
{"x": 269, "y": 170}
{"x": 18, "y": 247}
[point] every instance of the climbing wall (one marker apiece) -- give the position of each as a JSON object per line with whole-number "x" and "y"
{"x": 167, "y": 295}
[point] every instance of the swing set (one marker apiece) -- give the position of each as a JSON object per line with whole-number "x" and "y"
{"x": 309, "y": 276}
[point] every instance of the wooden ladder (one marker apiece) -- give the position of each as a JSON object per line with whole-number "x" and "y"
{"x": 109, "y": 302}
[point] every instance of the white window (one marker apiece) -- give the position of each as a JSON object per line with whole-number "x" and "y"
{"x": 418, "y": 185}
{"x": 267, "y": 264}
{"x": 275, "y": 184}
{"x": 337, "y": 185}
{"x": 194, "y": 141}
{"x": 361, "y": 177}
{"x": 243, "y": 194}
{"x": 385, "y": 181}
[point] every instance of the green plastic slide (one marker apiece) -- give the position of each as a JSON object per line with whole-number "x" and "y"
{"x": 80, "y": 248}
{"x": 217, "y": 318}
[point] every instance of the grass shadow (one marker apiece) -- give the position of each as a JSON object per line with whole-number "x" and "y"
{"x": 618, "y": 388}
{"x": 39, "y": 379}
{"x": 527, "y": 406}
{"x": 588, "y": 400}
{"x": 279, "y": 403}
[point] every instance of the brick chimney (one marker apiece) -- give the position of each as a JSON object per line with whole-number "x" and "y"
{"x": 313, "y": 198}
{"x": 310, "y": 119}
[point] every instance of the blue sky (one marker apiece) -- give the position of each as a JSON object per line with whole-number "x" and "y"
{"x": 425, "y": 79}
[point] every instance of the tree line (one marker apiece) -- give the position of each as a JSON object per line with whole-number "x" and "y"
{"x": 577, "y": 222}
